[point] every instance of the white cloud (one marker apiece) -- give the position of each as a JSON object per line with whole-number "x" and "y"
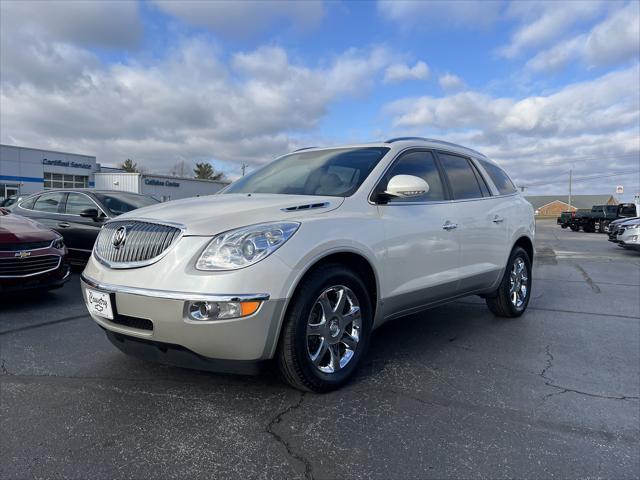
{"x": 544, "y": 22}
{"x": 595, "y": 123}
{"x": 240, "y": 19}
{"x": 425, "y": 13}
{"x": 451, "y": 82}
{"x": 111, "y": 24}
{"x": 190, "y": 105}
{"x": 399, "y": 72}
{"x": 614, "y": 40}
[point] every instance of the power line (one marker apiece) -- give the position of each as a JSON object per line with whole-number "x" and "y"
{"x": 578, "y": 179}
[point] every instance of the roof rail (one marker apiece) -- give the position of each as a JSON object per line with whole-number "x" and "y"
{"x": 303, "y": 148}
{"x": 441, "y": 142}
{"x": 400, "y": 139}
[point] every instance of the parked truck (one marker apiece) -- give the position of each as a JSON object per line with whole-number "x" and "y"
{"x": 600, "y": 216}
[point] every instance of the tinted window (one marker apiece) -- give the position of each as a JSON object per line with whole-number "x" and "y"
{"x": 462, "y": 178}
{"x": 628, "y": 210}
{"x": 483, "y": 183}
{"x": 121, "y": 203}
{"x": 334, "y": 172}
{"x": 419, "y": 164}
{"x": 77, "y": 202}
{"x": 501, "y": 180}
{"x": 28, "y": 203}
{"x": 49, "y": 202}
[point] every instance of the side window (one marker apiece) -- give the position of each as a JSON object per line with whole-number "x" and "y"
{"x": 420, "y": 164}
{"x": 483, "y": 183}
{"x": 27, "y": 203}
{"x": 462, "y": 179}
{"x": 77, "y": 202}
{"x": 48, "y": 202}
{"x": 501, "y": 180}
{"x": 628, "y": 211}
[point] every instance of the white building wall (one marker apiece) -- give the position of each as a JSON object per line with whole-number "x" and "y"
{"x": 163, "y": 188}
{"x": 123, "y": 182}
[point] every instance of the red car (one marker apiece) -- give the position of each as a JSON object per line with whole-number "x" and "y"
{"x": 31, "y": 256}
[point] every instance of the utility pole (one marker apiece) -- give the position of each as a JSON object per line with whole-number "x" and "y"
{"x": 570, "y": 175}
{"x": 244, "y": 167}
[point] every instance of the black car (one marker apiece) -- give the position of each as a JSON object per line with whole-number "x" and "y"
{"x": 78, "y": 214}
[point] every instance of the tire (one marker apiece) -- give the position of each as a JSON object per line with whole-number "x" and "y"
{"x": 575, "y": 228}
{"x": 501, "y": 303}
{"x": 306, "y": 330}
{"x": 563, "y": 226}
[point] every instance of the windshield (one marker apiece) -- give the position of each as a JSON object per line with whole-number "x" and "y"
{"x": 335, "y": 172}
{"x": 119, "y": 203}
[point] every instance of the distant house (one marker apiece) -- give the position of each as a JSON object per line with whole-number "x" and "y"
{"x": 553, "y": 205}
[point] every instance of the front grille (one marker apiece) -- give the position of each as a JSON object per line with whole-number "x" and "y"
{"x": 143, "y": 242}
{"x": 28, "y": 266}
{"x": 17, "y": 247}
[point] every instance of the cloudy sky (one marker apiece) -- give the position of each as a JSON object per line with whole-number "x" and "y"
{"x": 539, "y": 86}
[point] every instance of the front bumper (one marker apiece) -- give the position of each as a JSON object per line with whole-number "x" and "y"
{"x": 154, "y": 324}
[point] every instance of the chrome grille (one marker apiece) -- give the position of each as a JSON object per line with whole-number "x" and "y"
{"x": 28, "y": 266}
{"x": 143, "y": 244}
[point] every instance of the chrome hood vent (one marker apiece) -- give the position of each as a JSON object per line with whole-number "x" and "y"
{"x": 135, "y": 243}
{"x": 307, "y": 206}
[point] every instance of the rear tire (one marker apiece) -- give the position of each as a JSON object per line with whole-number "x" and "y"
{"x": 322, "y": 343}
{"x": 575, "y": 228}
{"x": 512, "y": 296}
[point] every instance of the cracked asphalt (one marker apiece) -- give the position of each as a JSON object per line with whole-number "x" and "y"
{"x": 449, "y": 393}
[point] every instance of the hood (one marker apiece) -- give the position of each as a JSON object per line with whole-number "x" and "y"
{"x": 17, "y": 229}
{"x": 214, "y": 214}
{"x": 620, "y": 221}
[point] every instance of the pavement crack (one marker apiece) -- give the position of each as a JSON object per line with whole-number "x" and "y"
{"x": 3, "y": 368}
{"x": 549, "y": 362}
{"x": 588, "y": 279}
{"x": 277, "y": 419}
{"x": 562, "y": 389}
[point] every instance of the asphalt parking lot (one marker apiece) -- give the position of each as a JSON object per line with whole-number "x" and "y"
{"x": 449, "y": 393}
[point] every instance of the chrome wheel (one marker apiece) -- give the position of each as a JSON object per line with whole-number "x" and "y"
{"x": 333, "y": 329}
{"x": 519, "y": 283}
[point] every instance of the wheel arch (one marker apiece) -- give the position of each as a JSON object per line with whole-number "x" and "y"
{"x": 344, "y": 256}
{"x": 526, "y": 244}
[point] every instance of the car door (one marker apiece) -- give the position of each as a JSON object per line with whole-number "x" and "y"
{"x": 80, "y": 232}
{"x": 482, "y": 223}
{"x": 421, "y": 262}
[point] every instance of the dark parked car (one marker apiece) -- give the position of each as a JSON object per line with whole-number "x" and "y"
{"x": 78, "y": 214}
{"x": 565, "y": 218}
{"x": 31, "y": 255}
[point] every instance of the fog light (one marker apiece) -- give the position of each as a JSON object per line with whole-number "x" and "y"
{"x": 204, "y": 311}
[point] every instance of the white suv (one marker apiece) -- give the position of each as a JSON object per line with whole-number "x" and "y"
{"x": 302, "y": 259}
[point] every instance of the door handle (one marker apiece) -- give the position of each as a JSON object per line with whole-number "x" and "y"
{"x": 64, "y": 225}
{"x": 449, "y": 226}
{"x": 498, "y": 219}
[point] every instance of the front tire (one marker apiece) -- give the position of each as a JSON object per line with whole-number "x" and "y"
{"x": 326, "y": 330}
{"x": 512, "y": 297}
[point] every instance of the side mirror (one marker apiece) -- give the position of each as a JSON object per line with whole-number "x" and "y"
{"x": 406, "y": 186}
{"x": 90, "y": 213}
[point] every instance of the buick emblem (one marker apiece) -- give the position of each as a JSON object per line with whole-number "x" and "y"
{"x": 119, "y": 237}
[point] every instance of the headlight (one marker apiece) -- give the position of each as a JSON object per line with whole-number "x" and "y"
{"x": 58, "y": 243}
{"x": 245, "y": 246}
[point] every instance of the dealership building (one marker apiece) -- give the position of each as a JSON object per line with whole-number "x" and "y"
{"x": 26, "y": 170}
